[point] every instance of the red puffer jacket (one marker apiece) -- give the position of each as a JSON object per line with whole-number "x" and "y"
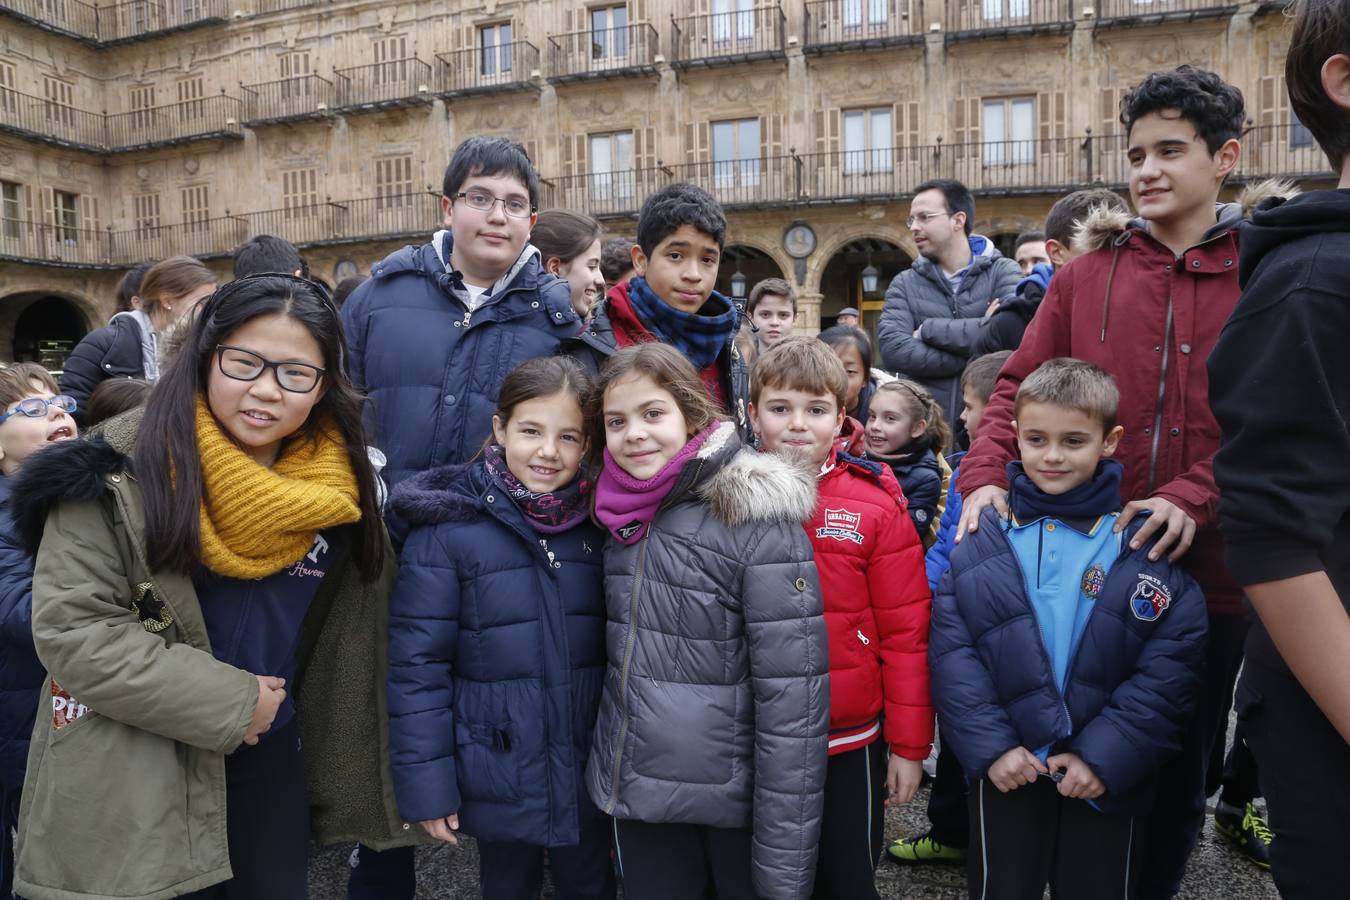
{"x": 876, "y": 609}
{"x": 1151, "y": 320}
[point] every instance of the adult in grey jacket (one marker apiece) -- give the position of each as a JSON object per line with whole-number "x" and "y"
{"x": 715, "y": 709}
{"x": 934, "y": 308}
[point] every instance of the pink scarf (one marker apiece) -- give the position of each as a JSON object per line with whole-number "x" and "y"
{"x": 625, "y": 505}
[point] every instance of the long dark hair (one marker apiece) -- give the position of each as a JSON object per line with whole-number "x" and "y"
{"x": 166, "y": 460}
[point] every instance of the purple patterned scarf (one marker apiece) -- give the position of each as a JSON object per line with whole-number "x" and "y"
{"x": 552, "y": 512}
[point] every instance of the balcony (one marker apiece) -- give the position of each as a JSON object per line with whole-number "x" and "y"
{"x": 271, "y": 6}
{"x": 288, "y": 100}
{"x": 398, "y": 82}
{"x": 177, "y": 123}
{"x": 51, "y": 122}
{"x": 1004, "y": 18}
{"x": 58, "y": 245}
{"x": 116, "y": 23}
{"x": 1120, "y": 13}
{"x": 487, "y": 70}
{"x": 726, "y": 38}
{"x": 605, "y": 194}
{"x": 1286, "y": 150}
{"x": 835, "y": 25}
{"x": 603, "y": 53}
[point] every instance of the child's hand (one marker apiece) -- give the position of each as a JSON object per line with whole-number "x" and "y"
{"x": 1079, "y": 781}
{"x": 1015, "y": 768}
{"x": 270, "y": 695}
{"x": 442, "y": 829}
{"x": 902, "y": 778}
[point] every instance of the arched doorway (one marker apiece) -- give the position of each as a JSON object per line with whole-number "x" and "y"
{"x": 841, "y": 284}
{"x": 45, "y": 329}
{"x": 754, "y": 264}
{"x": 1005, "y": 242}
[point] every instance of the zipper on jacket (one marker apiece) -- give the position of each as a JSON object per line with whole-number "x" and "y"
{"x": 1162, "y": 390}
{"x": 631, "y": 642}
{"x": 467, "y": 313}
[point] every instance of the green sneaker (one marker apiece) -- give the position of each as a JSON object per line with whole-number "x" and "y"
{"x": 1246, "y": 830}
{"x": 923, "y": 849}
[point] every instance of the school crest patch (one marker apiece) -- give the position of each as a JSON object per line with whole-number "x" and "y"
{"x": 151, "y": 609}
{"x": 842, "y": 525}
{"x": 1094, "y": 579}
{"x": 1150, "y": 600}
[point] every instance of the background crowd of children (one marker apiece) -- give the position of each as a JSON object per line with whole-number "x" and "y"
{"x": 665, "y": 596}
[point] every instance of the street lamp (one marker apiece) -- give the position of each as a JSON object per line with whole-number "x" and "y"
{"x": 869, "y": 276}
{"x": 738, "y": 284}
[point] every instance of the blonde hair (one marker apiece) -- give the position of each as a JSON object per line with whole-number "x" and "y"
{"x": 920, "y": 405}
{"x": 800, "y": 363}
{"x": 667, "y": 368}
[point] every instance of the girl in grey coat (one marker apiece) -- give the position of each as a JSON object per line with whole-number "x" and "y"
{"x": 710, "y": 745}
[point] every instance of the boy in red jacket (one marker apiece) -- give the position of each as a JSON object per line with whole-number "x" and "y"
{"x": 877, "y": 606}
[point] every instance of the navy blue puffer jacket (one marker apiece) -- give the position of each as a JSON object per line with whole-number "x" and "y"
{"x": 1130, "y": 689}
{"x": 431, "y": 369}
{"x": 496, "y": 659}
{"x": 21, "y": 675}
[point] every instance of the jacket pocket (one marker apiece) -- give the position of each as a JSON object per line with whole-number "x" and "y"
{"x": 486, "y": 761}
{"x": 684, "y": 732}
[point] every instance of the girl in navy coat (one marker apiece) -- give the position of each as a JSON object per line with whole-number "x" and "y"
{"x": 497, "y": 646}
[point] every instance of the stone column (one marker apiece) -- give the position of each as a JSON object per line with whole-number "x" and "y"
{"x": 808, "y": 313}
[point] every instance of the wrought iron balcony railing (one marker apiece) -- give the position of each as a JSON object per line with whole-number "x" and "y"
{"x": 603, "y": 52}
{"x": 483, "y": 70}
{"x": 1125, "y": 12}
{"x": 847, "y": 24}
{"x": 288, "y": 100}
{"x": 975, "y": 17}
{"x": 740, "y": 36}
{"x": 117, "y": 22}
{"x": 395, "y": 82}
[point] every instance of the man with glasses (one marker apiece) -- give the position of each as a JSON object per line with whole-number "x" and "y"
{"x": 433, "y": 333}
{"x": 934, "y": 308}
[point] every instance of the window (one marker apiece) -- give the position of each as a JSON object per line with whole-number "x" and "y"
{"x": 1300, "y": 138}
{"x": 1009, "y": 131}
{"x": 867, "y": 140}
{"x": 295, "y": 74}
{"x": 609, "y": 32}
{"x": 611, "y": 158}
{"x": 196, "y": 208}
{"x": 495, "y": 43}
{"x": 66, "y": 216}
{"x": 300, "y": 193}
{"x": 142, "y": 102}
{"x": 190, "y": 105}
{"x": 191, "y": 10}
{"x": 733, "y": 19}
{"x": 9, "y": 99}
{"x": 60, "y": 97}
{"x": 735, "y": 149}
{"x": 872, "y": 14}
{"x": 1008, "y": 9}
{"x": 146, "y": 212}
{"x": 391, "y": 55}
{"x": 9, "y": 211}
{"x": 393, "y": 182}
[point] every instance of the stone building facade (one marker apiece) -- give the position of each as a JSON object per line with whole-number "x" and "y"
{"x": 138, "y": 130}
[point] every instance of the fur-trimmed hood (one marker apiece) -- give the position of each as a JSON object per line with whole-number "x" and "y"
{"x": 1104, "y": 225}
{"x": 72, "y": 470}
{"x": 752, "y": 487}
{"x": 444, "y": 494}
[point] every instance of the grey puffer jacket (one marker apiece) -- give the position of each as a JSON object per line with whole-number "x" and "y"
{"x": 716, "y": 699}
{"x": 921, "y": 296}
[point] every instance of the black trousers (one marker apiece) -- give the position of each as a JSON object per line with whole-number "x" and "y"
{"x": 1305, "y": 777}
{"x": 853, "y": 824}
{"x": 1234, "y": 773}
{"x": 947, "y": 808}
{"x": 1030, "y": 837}
{"x": 9, "y": 819}
{"x": 683, "y": 862}
{"x": 1179, "y": 812}
{"x": 267, "y": 821}
{"x": 509, "y": 870}
{"x": 390, "y": 875}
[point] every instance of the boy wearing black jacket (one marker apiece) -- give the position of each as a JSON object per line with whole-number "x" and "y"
{"x": 1280, "y": 390}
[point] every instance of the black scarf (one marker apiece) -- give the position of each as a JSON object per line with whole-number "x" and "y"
{"x": 1096, "y": 497}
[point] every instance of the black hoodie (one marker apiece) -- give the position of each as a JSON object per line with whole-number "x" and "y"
{"x": 1279, "y": 385}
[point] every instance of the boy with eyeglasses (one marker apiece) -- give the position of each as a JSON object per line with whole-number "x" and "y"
{"x": 34, "y": 416}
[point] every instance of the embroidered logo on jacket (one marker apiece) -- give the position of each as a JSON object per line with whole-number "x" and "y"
{"x": 1094, "y": 579}
{"x": 150, "y": 608}
{"x": 841, "y": 525}
{"x": 300, "y": 570}
{"x": 1151, "y": 598}
{"x": 632, "y": 528}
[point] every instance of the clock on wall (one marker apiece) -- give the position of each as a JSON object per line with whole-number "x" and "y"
{"x": 799, "y": 240}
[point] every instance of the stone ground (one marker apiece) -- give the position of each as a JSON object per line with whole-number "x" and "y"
{"x": 448, "y": 873}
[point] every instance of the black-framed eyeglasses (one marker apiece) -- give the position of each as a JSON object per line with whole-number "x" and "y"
{"x": 482, "y": 201}
{"x": 36, "y": 407}
{"x": 245, "y": 365}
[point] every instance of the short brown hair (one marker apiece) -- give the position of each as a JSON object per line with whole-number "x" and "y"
{"x": 1321, "y": 30}
{"x": 16, "y": 381}
{"x": 171, "y": 279}
{"x": 668, "y": 368}
{"x": 1073, "y": 208}
{"x": 981, "y": 373}
{"x": 114, "y": 396}
{"x": 800, "y": 364}
{"x": 772, "y": 287}
{"x": 1072, "y": 384}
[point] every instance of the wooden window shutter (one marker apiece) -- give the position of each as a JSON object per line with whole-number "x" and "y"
{"x": 565, "y": 150}
{"x": 822, "y": 138}
{"x": 647, "y": 156}
{"x": 770, "y": 136}
{"x": 89, "y": 212}
{"x": 531, "y": 150}
{"x": 636, "y": 10}
{"x": 569, "y": 23}
{"x": 960, "y": 130}
{"x": 28, "y": 208}
{"x": 48, "y": 206}
{"x": 1051, "y": 115}
{"x": 1274, "y": 101}
{"x": 582, "y": 151}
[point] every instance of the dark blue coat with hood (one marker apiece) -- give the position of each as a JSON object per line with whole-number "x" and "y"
{"x": 21, "y": 674}
{"x": 496, "y": 658}
{"x": 431, "y": 368}
{"x": 1130, "y": 688}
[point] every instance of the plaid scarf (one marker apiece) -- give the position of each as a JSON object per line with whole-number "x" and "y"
{"x": 699, "y": 336}
{"x": 551, "y": 512}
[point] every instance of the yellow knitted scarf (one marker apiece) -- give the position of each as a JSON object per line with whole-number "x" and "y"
{"x": 256, "y": 521}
